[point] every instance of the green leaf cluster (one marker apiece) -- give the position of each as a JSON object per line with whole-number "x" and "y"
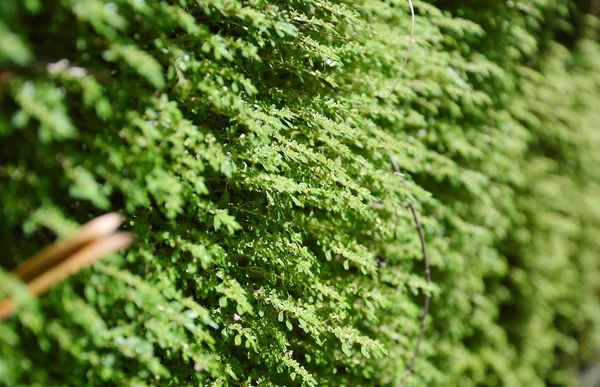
{"x": 263, "y": 153}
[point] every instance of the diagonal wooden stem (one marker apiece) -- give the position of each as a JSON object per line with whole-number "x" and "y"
{"x": 55, "y": 263}
{"x": 85, "y": 256}
{"x": 53, "y": 254}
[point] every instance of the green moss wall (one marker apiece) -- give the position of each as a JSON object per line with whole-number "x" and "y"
{"x": 251, "y": 146}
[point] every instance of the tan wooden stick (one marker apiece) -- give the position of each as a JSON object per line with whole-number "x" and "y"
{"x": 82, "y": 258}
{"x": 95, "y": 240}
{"x": 51, "y": 255}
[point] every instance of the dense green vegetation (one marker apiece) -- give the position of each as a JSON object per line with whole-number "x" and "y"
{"x": 251, "y": 146}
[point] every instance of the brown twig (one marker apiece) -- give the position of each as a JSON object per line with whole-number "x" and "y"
{"x": 427, "y": 297}
{"x": 427, "y": 276}
{"x": 95, "y": 240}
{"x": 51, "y": 255}
{"x": 395, "y": 165}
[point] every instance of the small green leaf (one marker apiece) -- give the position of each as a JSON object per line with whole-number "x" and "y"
{"x": 13, "y": 47}
{"x": 346, "y": 349}
{"x": 222, "y": 302}
{"x": 365, "y": 352}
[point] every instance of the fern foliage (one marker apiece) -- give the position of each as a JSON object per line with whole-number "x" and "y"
{"x": 252, "y": 146}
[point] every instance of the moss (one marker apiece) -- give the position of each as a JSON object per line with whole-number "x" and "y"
{"x": 248, "y": 144}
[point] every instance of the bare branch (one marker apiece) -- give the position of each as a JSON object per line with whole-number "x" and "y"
{"x": 93, "y": 241}
{"x": 427, "y": 297}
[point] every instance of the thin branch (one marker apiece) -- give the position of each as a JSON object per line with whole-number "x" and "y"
{"x": 401, "y": 175}
{"x": 80, "y": 259}
{"x": 395, "y": 165}
{"x": 408, "y": 51}
{"x": 93, "y": 241}
{"x": 53, "y": 254}
{"x": 427, "y": 276}
{"x": 427, "y": 297}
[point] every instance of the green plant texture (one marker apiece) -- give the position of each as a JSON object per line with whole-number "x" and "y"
{"x": 263, "y": 153}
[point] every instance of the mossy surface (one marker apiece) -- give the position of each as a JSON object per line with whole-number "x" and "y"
{"x": 251, "y": 146}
